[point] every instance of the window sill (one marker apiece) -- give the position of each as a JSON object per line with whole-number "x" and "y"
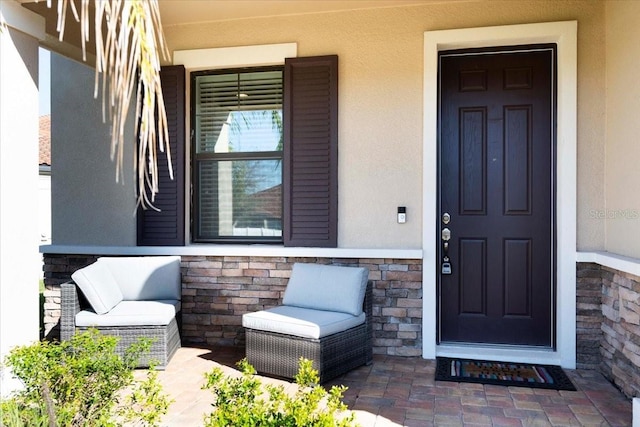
{"x": 608, "y": 259}
{"x": 234, "y": 250}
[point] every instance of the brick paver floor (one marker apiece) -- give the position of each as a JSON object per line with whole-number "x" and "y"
{"x": 401, "y": 391}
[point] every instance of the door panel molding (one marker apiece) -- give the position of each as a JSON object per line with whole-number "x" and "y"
{"x": 517, "y": 180}
{"x": 564, "y": 34}
{"x": 517, "y": 270}
{"x": 473, "y": 127}
{"x": 473, "y": 285}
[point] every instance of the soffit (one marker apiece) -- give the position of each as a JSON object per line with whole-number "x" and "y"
{"x": 176, "y": 12}
{"x": 180, "y": 12}
{"x": 184, "y": 12}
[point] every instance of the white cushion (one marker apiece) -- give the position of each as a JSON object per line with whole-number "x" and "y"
{"x": 301, "y": 322}
{"x": 132, "y": 313}
{"x": 99, "y": 286}
{"x": 146, "y": 278}
{"x": 327, "y": 287}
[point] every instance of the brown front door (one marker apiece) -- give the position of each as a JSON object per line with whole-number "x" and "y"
{"x": 497, "y": 150}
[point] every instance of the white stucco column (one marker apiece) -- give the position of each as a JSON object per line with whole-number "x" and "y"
{"x": 19, "y": 258}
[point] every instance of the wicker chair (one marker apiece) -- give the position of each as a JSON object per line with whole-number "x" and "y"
{"x": 278, "y": 354}
{"x": 165, "y": 338}
{"x": 164, "y": 334}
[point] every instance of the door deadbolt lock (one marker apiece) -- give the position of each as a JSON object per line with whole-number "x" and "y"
{"x": 446, "y": 234}
{"x": 446, "y": 218}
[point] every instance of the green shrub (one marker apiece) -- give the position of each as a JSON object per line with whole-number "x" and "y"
{"x": 15, "y": 412}
{"x": 244, "y": 402}
{"x": 82, "y": 382}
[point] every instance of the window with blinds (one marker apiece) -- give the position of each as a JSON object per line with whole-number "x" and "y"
{"x": 237, "y": 155}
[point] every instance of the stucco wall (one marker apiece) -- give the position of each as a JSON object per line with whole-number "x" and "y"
{"x": 19, "y": 260}
{"x": 380, "y": 119}
{"x": 621, "y": 211}
{"x": 88, "y": 206}
{"x": 380, "y": 127}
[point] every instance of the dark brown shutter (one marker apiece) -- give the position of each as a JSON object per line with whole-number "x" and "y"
{"x": 166, "y": 228}
{"x": 311, "y": 151}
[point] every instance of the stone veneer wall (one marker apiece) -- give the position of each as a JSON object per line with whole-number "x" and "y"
{"x": 620, "y": 346}
{"x": 57, "y": 270}
{"x": 588, "y": 315}
{"x": 216, "y": 291}
{"x": 609, "y": 325}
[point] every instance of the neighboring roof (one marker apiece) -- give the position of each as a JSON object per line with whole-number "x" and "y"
{"x": 268, "y": 202}
{"x": 45, "y": 141}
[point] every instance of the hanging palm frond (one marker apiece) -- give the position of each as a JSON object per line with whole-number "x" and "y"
{"x": 129, "y": 42}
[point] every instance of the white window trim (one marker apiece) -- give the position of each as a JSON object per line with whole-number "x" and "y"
{"x": 220, "y": 58}
{"x": 234, "y": 57}
{"x": 564, "y": 34}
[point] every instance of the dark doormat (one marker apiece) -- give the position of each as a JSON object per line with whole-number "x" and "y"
{"x": 502, "y": 373}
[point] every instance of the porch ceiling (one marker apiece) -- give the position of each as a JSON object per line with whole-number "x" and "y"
{"x": 180, "y": 12}
{"x": 177, "y": 12}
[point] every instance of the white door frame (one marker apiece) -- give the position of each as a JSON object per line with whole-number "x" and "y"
{"x": 564, "y": 34}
